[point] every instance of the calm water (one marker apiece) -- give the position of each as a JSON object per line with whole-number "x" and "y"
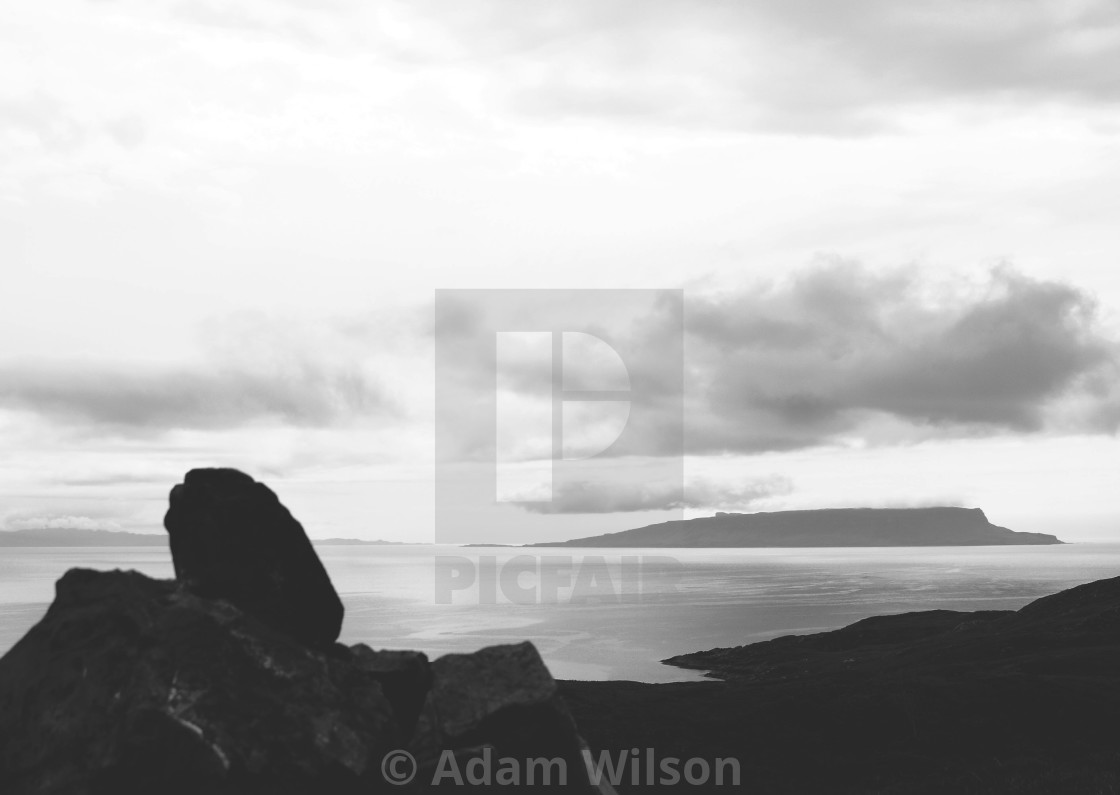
{"x": 625, "y": 615}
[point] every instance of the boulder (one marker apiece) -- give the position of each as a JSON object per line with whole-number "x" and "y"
{"x": 231, "y": 538}
{"x": 135, "y": 685}
{"x": 131, "y": 684}
{"x": 405, "y": 676}
{"x": 502, "y": 702}
{"x": 227, "y": 680}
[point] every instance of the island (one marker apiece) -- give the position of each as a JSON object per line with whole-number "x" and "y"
{"x": 831, "y": 527}
{"x": 79, "y": 537}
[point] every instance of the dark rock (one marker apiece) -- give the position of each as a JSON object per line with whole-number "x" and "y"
{"x": 1064, "y": 633}
{"x": 228, "y": 681}
{"x": 500, "y": 698}
{"x": 793, "y": 656}
{"x": 231, "y": 538}
{"x": 405, "y": 676}
{"x": 991, "y": 703}
{"x": 136, "y": 685}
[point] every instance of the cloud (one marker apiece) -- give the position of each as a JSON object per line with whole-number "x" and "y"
{"x": 255, "y": 369}
{"x": 710, "y": 495}
{"x": 800, "y": 66}
{"x": 116, "y": 479}
{"x": 128, "y": 131}
{"x": 46, "y": 521}
{"x": 163, "y": 400}
{"x": 298, "y": 23}
{"x": 43, "y": 117}
{"x": 838, "y": 352}
{"x": 834, "y": 354}
{"x": 55, "y": 127}
{"x": 594, "y": 497}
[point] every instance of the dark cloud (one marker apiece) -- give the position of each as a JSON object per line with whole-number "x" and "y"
{"x": 839, "y": 354}
{"x": 170, "y": 399}
{"x": 602, "y": 497}
{"x": 838, "y": 351}
{"x": 254, "y": 368}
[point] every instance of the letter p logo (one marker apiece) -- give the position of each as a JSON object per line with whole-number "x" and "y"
{"x": 556, "y": 411}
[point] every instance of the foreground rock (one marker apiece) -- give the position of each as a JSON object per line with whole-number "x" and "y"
{"x": 231, "y": 538}
{"x": 991, "y": 702}
{"x": 503, "y": 698}
{"x": 131, "y": 684}
{"x": 227, "y": 681}
{"x": 135, "y": 685}
{"x": 1072, "y": 632}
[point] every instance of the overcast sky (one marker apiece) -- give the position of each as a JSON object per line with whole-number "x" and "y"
{"x": 895, "y": 225}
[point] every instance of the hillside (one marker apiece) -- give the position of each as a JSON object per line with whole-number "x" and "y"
{"x": 988, "y": 703}
{"x": 832, "y": 527}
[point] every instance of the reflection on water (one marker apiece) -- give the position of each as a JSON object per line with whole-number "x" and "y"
{"x": 686, "y": 600}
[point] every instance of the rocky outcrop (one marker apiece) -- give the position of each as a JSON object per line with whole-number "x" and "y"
{"x": 131, "y": 684}
{"x": 200, "y": 687}
{"x": 831, "y": 527}
{"x": 1058, "y": 634}
{"x": 232, "y": 539}
{"x": 990, "y": 703}
{"x": 500, "y": 698}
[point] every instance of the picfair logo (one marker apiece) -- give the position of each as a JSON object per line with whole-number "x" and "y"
{"x": 556, "y": 411}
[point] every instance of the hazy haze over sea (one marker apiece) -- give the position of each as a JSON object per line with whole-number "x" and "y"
{"x": 721, "y": 597}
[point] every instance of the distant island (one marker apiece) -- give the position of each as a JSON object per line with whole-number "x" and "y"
{"x": 831, "y": 527}
{"x": 73, "y": 537}
{"x": 349, "y": 542}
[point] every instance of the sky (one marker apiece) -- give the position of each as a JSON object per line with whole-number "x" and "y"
{"x": 892, "y": 227}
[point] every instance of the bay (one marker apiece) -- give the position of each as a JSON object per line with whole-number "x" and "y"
{"x": 613, "y": 614}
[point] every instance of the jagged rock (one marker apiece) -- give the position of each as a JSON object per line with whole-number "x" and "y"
{"x": 1064, "y": 634}
{"x": 501, "y": 698}
{"x": 231, "y": 538}
{"x": 228, "y": 681}
{"x": 137, "y": 685}
{"x": 405, "y": 676}
{"x": 994, "y": 702}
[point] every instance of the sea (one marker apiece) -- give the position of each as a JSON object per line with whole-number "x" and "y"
{"x": 598, "y": 614}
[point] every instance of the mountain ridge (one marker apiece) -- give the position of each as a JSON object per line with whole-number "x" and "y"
{"x": 81, "y": 537}
{"x": 823, "y": 527}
